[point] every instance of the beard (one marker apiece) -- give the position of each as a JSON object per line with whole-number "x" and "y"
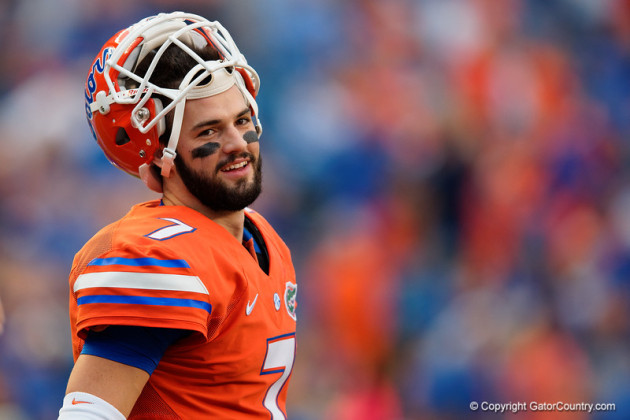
{"x": 213, "y": 193}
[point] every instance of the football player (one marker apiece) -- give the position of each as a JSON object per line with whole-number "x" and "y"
{"x": 186, "y": 307}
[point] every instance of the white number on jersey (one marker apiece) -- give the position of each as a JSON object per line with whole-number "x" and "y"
{"x": 170, "y": 231}
{"x": 279, "y": 359}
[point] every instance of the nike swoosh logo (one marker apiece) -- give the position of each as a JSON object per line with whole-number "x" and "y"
{"x": 75, "y": 402}
{"x": 250, "y": 306}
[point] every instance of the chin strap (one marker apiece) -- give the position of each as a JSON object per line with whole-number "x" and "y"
{"x": 168, "y": 159}
{"x": 169, "y": 153}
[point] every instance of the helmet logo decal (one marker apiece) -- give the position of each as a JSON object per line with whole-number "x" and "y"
{"x": 90, "y": 89}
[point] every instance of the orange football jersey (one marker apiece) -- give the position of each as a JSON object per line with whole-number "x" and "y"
{"x": 172, "y": 267}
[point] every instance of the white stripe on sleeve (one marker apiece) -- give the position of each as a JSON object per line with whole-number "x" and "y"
{"x": 149, "y": 281}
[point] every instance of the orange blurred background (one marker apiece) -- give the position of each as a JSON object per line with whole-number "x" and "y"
{"x": 450, "y": 176}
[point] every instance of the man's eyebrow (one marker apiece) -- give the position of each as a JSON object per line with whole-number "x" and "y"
{"x": 213, "y": 122}
{"x": 243, "y": 112}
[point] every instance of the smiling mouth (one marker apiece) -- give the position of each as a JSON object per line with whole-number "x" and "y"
{"x": 235, "y": 166}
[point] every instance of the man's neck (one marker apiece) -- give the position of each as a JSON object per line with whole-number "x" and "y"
{"x": 232, "y": 221}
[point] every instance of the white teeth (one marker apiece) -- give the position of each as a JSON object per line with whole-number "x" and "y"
{"x": 236, "y": 166}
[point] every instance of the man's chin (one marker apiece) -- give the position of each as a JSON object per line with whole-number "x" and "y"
{"x": 222, "y": 193}
{"x": 231, "y": 198}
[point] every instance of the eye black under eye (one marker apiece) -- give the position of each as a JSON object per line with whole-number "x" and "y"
{"x": 205, "y": 150}
{"x": 250, "y": 137}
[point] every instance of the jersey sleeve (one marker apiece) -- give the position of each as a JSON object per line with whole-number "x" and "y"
{"x": 140, "y": 287}
{"x": 140, "y": 347}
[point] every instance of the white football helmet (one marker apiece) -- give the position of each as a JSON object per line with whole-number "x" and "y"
{"x": 112, "y": 107}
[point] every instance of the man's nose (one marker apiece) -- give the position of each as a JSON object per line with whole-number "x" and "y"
{"x": 233, "y": 141}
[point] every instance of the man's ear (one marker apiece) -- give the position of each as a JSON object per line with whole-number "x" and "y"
{"x": 157, "y": 160}
{"x": 150, "y": 177}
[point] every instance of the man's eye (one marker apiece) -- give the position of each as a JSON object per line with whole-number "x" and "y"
{"x": 243, "y": 121}
{"x": 207, "y": 132}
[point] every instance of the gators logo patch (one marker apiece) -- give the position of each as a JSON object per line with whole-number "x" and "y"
{"x": 290, "y": 299}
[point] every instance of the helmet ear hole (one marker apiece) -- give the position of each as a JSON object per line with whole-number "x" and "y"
{"x": 122, "y": 137}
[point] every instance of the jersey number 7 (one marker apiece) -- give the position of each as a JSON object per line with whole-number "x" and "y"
{"x": 279, "y": 359}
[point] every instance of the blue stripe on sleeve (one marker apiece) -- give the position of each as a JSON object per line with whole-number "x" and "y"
{"x": 145, "y": 300}
{"x": 140, "y": 347}
{"x": 139, "y": 262}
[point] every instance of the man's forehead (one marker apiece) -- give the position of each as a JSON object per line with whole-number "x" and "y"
{"x": 224, "y": 105}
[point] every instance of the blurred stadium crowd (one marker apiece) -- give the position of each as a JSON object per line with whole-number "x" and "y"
{"x": 452, "y": 176}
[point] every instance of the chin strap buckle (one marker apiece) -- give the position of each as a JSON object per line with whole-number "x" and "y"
{"x": 168, "y": 160}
